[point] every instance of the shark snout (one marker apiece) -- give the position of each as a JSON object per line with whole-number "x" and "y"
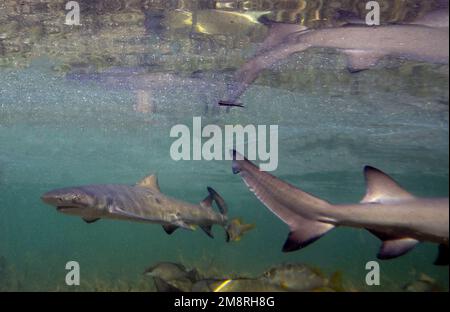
{"x": 65, "y": 198}
{"x": 50, "y": 198}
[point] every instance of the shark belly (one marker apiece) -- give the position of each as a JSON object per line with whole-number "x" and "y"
{"x": 421, "y": 219}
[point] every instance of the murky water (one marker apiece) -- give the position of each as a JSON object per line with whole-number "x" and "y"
{"x": 94, "y": 104}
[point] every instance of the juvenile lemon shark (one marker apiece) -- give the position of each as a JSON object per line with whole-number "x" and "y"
{"x": 425, "y": 40}
{"x": 142, "y": 202}
{"x": 398, "y": 218}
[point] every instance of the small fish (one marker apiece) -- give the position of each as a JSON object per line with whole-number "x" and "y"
{"x": 398, "y": 218}
{"x": 172, "y": 277}
{"x": 282, "y": 278}
{"x": 170, "y": 271}
{"x": 236, "y": 228}
{"x": 231, "y": 104}
{"x": 295, "y": 277}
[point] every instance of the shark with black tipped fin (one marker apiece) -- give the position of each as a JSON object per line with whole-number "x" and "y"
{"x": 400, "y": 219}
{"x": 143, "y": 202}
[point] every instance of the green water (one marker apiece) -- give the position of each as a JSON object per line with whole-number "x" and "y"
{"x": 57, "y": 132}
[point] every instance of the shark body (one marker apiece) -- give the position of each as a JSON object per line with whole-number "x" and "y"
{"x": 143, "y": 202}
{"x": 425, "y": 40}
{"x": 397, "y": 217}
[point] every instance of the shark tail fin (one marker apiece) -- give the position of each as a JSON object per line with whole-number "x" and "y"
{"x": 208, "y": 203}
{"x": 215, "y": 197}
{"x": 304, "y": 229}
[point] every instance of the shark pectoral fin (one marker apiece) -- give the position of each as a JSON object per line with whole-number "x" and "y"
{"x": 305, "y": 233}
{"x": 442, "y": 258}
{"x": 381, "y": 187}
{"x": 89, "y": 220}
{"x": 208, "y": 230}
{"x": 150, "y": 182}
{"x": 393, "y": 247}
{"x": 361, "y": 60}
{"x": 396, "y": 247}
{"x": 169, "y": 229}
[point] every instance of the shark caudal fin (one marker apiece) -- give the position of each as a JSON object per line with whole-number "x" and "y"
{"x": 299, "y": 214}
{"x": 381, "y": 188}
{"x": 208, "y": 203}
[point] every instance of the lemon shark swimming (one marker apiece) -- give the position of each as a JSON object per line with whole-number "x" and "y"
{"x": 424, "y": 40}
{"x": 400, "y": 219}
{"x": 143, "y": 202}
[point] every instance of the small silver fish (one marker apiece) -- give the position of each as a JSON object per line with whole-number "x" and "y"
{"x": 295, "y": 277}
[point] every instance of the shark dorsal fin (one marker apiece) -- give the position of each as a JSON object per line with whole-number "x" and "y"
{"x": 382, "y": 187}
{"x": 150, "y": 182}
